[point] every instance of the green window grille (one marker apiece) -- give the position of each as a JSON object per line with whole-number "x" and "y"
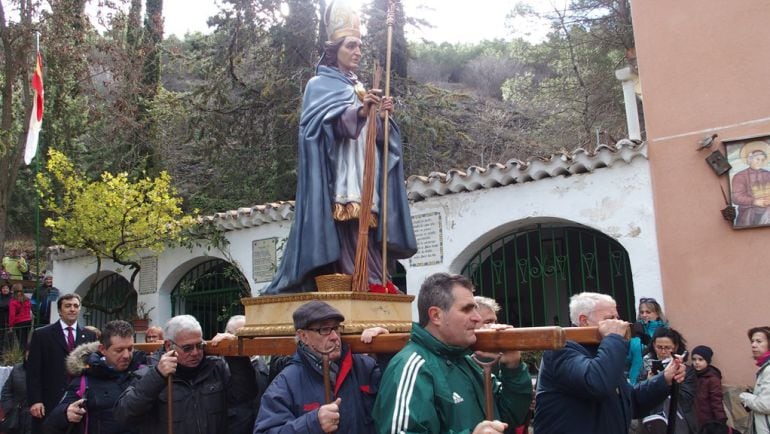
{"x": 533, "y": 272}
{"x": 111, "y": 298}
{"x": 211, "y": 292}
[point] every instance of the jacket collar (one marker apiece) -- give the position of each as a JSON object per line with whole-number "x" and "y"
{"x": 422, "y": 337}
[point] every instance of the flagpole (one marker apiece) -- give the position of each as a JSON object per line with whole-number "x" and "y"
{"x": 37, "y": 195}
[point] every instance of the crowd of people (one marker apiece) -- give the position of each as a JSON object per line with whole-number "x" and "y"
{"x": 73, "y": 381}
{"x": 20, "y": 309}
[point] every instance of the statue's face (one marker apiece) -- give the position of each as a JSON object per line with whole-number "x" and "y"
{"x": 349, "y": 54}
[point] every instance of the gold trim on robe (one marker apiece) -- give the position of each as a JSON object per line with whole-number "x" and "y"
{"x": 351, "y": 211}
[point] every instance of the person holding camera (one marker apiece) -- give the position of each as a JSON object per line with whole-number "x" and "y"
{"x": 583, "y": 388}
{"x": 100, "y": 371}
{"x": 665, "y": 345}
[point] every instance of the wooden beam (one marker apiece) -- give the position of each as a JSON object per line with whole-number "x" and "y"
{"x": 525, "y": 339}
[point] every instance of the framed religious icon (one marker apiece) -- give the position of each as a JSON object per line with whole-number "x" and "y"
{"x": 749, "y": 180}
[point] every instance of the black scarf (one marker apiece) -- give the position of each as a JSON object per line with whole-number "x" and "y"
{"x": 316, "y": 361}
{"x": 188, "y": 374}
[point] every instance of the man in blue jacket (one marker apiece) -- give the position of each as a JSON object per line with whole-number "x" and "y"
{"x": 583, "y": 389}
{"x": 294, "y": 401}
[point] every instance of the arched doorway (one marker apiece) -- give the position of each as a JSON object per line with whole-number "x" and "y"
{"x": 103, "y": 302}
{"x": 211, "y": 292}
{"x": 532, "y": 272}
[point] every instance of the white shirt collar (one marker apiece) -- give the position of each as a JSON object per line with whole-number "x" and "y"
{"x": 64, "y": 326}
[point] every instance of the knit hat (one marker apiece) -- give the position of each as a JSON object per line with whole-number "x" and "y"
{"x": 705, "y": 352}
{"x": 315, "y": 311}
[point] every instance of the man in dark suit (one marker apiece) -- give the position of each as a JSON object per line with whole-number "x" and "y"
{"x": 50, "y": 345}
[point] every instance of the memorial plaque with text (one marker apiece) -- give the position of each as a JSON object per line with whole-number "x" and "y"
{"x": 148, "y": 275}
{"x": 263, "y": 259}
{"x": 430, "y": 241}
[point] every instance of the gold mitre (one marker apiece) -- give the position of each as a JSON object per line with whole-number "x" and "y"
{"x": 341, "y": 21}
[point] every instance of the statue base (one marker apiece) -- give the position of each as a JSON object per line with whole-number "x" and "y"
{"x": 271, "y": 315}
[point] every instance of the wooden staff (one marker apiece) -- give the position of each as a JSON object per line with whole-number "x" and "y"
{"x": 327, "y": 381}
{"x": 673, "y": 408}
{"x": 385, "y": 151}
{"x": 489, "y": 397}
{"x": 493, "y": 341}
{"x": 360, "y": 272}
{"x": 326, "y": 376}
{"x": 170, "y": 406}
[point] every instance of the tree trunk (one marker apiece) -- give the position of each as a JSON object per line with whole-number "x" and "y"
{"x": 17, "y": 51}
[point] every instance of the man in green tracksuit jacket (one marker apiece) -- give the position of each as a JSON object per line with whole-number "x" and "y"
{"x": 433, "y": 386}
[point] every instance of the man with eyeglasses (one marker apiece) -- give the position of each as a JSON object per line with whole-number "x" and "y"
{"x": 294, "y": 402}
{"x": 203, "y": 387}
{"x": 583, "y": 388}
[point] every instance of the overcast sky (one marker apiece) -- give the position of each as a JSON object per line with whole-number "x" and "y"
{"x": 454, "y": 20}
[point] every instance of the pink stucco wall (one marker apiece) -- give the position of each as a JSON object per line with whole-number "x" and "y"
{"x": 705, "y": 68}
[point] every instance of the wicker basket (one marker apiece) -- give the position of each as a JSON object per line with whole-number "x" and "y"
{"x": 334, "y": 282}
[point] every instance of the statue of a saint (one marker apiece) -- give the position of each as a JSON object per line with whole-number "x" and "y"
{"x": 332, "y": 136}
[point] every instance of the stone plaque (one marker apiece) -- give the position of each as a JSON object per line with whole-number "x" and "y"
{"x": 430, "y": 241}
{"x": 148, "y": 275}
{"x": 263, "y": 259}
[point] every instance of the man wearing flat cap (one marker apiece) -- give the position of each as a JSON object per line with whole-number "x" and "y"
{"x": 294, "y": 401}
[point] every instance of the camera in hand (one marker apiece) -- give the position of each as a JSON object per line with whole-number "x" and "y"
{"x": 657, "y": 366}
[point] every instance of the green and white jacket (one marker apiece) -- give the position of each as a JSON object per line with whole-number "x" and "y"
{"x": 431, "y": 387}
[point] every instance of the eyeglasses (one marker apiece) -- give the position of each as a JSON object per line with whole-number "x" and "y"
{"x": 664, "y": 348}
{"x": 647, "y": 300}
{"x": 189, "y": 347}
{"x": 326, "y": 331}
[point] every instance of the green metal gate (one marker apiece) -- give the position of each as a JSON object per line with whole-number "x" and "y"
{"x": 109, "y": 293}
{"x": 211, "y": 292}
{"x": 533, "y": 272}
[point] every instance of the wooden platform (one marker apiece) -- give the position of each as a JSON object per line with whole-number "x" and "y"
{"x": 271, "y": 315}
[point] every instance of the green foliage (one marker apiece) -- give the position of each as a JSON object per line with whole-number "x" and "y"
{"x": 569, "y": 88}
{"x": 13, "y": 353}
{"x": 220, "y": 112}
{"x": 231, "y": 135}
{"x": 113, "y": 217}
{"x": 377, "y": 37}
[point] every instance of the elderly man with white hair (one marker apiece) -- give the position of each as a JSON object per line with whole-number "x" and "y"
{"x": 583, "y": 389}
{"x": 203, "y": 386}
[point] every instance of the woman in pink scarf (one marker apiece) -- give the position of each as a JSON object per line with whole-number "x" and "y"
{"x": 758, "y": 401}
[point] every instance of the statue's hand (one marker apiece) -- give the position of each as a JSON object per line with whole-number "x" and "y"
{"x": 386, "y": 106}
{"x": 372, "y": 98}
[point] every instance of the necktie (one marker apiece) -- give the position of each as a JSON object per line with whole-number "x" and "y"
{"x": 70, "y": 339}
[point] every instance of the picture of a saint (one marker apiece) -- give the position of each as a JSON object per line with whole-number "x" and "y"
{"x": 751, "y": 186}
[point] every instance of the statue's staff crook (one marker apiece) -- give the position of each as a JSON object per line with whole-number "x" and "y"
{"x": 386, "y": 126}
